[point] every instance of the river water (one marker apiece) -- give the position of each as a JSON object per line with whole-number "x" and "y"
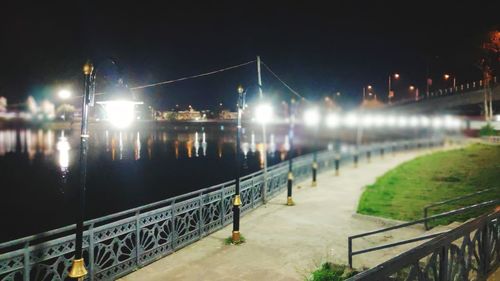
{"x": 126, "y": 169}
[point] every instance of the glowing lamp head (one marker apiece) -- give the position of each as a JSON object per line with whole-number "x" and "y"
{"x": 396, "y": 75}
{"x": 412, "y": 88}
{"x": 367, "y": 121}
{"x": 379, "y": 120}
{"x": 437, "y": 122}
{"x": 240, "y": 89}
{"x": 391, "y": 121}
{"x": 64, "y": 94}
{"x": 263, "y": 113}
{"x": 120, "y": 113}
{"x": 446, "y": 76}
{"x": 414, "y": 121}
{"x": 311, "y": 117}
{"x": 369, "y": 87}
{"x": 332, "y": 121}
{"x": 424, "y": 121}
{"x": 351, "y": 120}
{"x": 402, "y": 121}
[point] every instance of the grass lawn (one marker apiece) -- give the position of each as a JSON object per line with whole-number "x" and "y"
{"x": 403, "y": 192}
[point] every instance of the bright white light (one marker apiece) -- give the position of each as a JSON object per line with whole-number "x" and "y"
{"x": 263, "y": 113}
{"x": 413, "y": 121}
{"x": 448, "y": 122}
{"x": 367, "y": 121}
{"x": 424, "y": 121}
{"x": 351, "y": 120}
{"x": 498, "y": 118}
{"x": 120, "y": 113}
{"x": 402, "y": 121}
{"x": 333, "y": 120}
{"x": 379, "y": 120}
{"x": 437, "y": 122}
{"x": 64, "y": 94}
{"x": 311, "y": 117}
{"x": 391, "y": 121}
{"x": 63, "y": 148}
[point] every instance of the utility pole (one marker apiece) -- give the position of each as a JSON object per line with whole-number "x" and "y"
{"x": 264, "y": 138}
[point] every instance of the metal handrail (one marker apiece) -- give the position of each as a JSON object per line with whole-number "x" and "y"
{"x": 455, "y": 199}
{"x": 351, "y": 253}
{"x": 436, "y": 256}
{"x": 119, "y": 243}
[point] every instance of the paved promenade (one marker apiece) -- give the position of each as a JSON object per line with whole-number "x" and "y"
{"x": 287, "y": 243}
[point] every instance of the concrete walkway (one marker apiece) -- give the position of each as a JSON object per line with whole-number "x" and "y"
{"x": 287, "y": 243}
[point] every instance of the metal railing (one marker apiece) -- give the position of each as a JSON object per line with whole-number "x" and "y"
{"x": 452, "y": 200}
{"x": 468, "y": 252}
{"x": 458, "y": 89}
{"x": 351, "y": 253}
{"x": 117, "y": 244}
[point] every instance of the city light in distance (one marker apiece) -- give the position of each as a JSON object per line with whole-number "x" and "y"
{"x": 64, "y": 94}
{"x": 263, "y": 113}
{"x": 312, "y": 117}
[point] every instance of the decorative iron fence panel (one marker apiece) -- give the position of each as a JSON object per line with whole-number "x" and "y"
{"x": 468, "y": 252}
{"x": 117, "y": 244}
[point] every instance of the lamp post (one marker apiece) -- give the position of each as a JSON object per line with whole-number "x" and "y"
{"x": 389, "y": 82}
{"x": 119, "y": 111}
{"x": 333, "y": 122}
{"x": 312, "y": 118}
{"x": 235, "y": 237}
{"x": 263, "y": 114}
{"x": 291, "y": 114}
{"x": 448, "y": 76}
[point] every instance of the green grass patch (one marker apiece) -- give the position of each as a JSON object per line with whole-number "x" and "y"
{"x": 229, "y": 240}
{"x": 403, "y": 192}
{"x": 332, "y": 272}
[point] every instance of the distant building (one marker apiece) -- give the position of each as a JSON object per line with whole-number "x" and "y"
{"x": 228, "y": 115}
{"x": 3, "y": 104}
{"x": 188, "y": 115}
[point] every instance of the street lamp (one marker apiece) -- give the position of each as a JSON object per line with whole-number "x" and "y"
{"x": 391, "y": 92}
{"x": 311, "y": 119}
{"x": 235, "y": 237}
{"x": 446, "y": 77}
{"x": 64, "y": 94}
{"x": 333, "y": 121}
{"x": 263, "y": 115}
{"x": 291, "y": 113}
{"x": 78, "y": 269}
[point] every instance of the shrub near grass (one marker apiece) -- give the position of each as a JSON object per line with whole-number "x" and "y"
{"x": 332, "y": 272}
{"x": 403, "y": 192}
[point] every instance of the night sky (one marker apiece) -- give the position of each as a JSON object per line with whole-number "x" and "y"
{"x": 318, "y": 49}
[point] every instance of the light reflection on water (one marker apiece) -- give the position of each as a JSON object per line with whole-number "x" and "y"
{"x": 126, "y": 169}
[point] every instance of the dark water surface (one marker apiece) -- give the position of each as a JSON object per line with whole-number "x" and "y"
{"x": 126, "y": 169}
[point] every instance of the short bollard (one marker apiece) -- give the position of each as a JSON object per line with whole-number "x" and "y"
{"x": 314, "y": 173}
{"x": 337, "y": 166}
{"x": 356, "y": 160}
{"x": 382, "y": 153}
{"x": 289, "y": 200}
{"x": 369, "y": 156}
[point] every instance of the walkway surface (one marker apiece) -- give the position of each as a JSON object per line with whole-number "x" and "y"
{"x": 287, "y": 243}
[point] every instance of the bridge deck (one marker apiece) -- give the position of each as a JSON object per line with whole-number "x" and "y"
{"x": 287, "y": 243}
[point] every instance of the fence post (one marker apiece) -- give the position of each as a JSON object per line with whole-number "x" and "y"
{"x": 174, "y": 230}
{"x": 26, "y": 261}
{"x": 484, "y": 251}
{"x": 200, "y": 213}
{"x": 91, "y": 252}
{"x": 443, "y": 264}
{"x": 222, "y": 209}
{"x": 349, "y": 251}
{"x": 252, "y": 192}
